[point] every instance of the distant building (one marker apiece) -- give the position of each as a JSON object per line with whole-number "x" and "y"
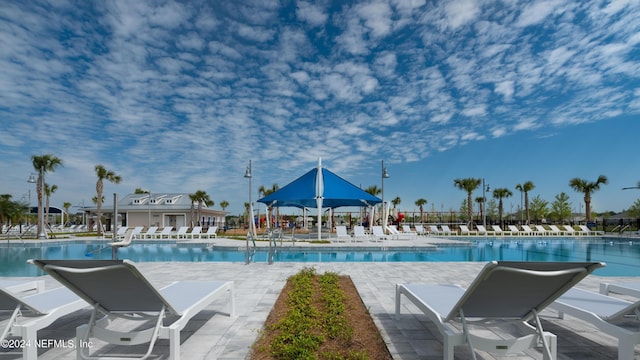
{"x": 161, "y": 209}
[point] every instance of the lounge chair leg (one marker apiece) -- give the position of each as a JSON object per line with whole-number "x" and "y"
{"x": 626, "y": 348}
{"x": 174, "y": 344}
{"x": 30, "y": 351}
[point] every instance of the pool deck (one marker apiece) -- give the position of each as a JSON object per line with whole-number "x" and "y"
{"x": 213, "y": 335}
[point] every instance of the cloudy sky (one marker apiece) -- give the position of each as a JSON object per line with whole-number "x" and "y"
{"x": 179, "y": 96}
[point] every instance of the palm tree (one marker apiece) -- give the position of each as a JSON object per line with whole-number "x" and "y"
{"x": 66, "y": 205}
{"x": 373, "y": 190}
{"x": 43, "y": 164}
{"x": 202, "y": 198}
{"x": 194, "y": 200}
{"x": 224, "y": 204}
{"x": 420, "y": 204}
{"x": 480, "y": 201}
{"x": 48, "y": 190}
{"x": 468, "y": 185}
{"x": 500, "y": 194}
{"x": 525, "y": 188}
{"x": 587, "y": 188}
{"x": 103, "y": 174}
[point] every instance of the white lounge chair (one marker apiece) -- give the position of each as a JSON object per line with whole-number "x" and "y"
{"x": 446, "y": 230}
{"x": 540, "y": 230}
{"x": 165, "y": 233}
{"x": 378, "y": 234}
{"x": 150, "y": 234}
{"x": 359, "y": 234}
{"x": 555, "y": 231}
{"x": 182, "y": 232}
{"x": 420, "y": 230}
{"x": 500, "y": 232}
{"x": 34, "y": 312}
{"x": 603, "y": 312}
{"x": 121, "y": 231}
{"x": 195, "y": 232}
{"x": 483, "y": 231}
{"x": 526, "y": 230}
{"x": 137, "y": 232}
{"x": 433, "y": 230}
{"x": 406, "y": 229}
{"x": 395, "y": 234}
{"x": 210, "y": 233}
{"x": 117, "y": 289}
{"x": 570, "y": 230}
{"x": 515, "y": 231}
{"x": 503, "y": 293}
{"x": 585, "y": 229}
{"x": 464, "y": 230}
{"x": 342, "y": 234}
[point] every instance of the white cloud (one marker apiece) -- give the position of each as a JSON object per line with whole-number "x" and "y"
{"x": 461, "y": 12}
{"x": 311, "y": 13}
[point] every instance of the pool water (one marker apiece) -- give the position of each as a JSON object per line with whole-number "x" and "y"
{"x": 621, "y": 255}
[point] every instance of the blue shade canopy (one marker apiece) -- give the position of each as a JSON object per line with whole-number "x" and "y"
{"x": 334, "y": 192}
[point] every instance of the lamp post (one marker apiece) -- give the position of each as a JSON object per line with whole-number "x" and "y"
{"x": 40, "y": 186}
{"x": 248, "y": 175}
{"x": 484, "y": 202}
{"x": 385, "y": 175}
{"x": 149, "y": 209}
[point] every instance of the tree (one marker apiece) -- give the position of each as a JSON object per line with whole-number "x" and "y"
{"x": 140, "y": 191}
{"x": 43, "y": 164}
{"x": 500, "y": 194}
{"x": 373, "y": 190}
{"x": 480, "y": 201}
{"x": 587, "y": 188}
{"x": 48, "y": 190}
{"x": 202, "y": 198}
{"x": 539, "y": 208}
{"x": 396, "y": 201}
{"x": 468, "y": 185}
{"x": 491, "y": 208}
{"x": 634, "y": 210}
{"x": 420, "y": 204}
{"x": 66, "y": 205}
{"x": 525, "y": 188}
{"x": 103, "y": 174}
{"x": 11, "y": 212}
{"x": 224, "y": 204}
{"x": 560, "y": 208}
{"x": 194, "y": 200}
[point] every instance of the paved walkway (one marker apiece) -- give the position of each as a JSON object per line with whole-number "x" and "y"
{"x": 213, "y": 335}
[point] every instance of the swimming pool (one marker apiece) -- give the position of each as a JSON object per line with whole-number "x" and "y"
{"x": 621, "y": 255}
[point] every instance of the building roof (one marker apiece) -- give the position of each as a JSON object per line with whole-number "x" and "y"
{"x": 155, "y": 202}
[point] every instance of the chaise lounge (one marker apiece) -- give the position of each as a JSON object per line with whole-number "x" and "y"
{"x": 117, "y": 290}
{"x": 502, "y": 295}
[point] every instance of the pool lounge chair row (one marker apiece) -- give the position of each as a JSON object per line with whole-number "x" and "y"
{"x": 524, "y": 230}
{"x": 168, "y": 233}
{"x": 113, "y": 289}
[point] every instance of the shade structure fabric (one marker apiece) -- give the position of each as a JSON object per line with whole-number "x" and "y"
{"x": 334, "y": 192}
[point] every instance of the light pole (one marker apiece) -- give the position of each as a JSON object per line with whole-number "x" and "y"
{"x": 385, "y": 175}
{"x": 249, "y": 176}
{"x": 149, "y": 209}
{"x": 484, "y": 203}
